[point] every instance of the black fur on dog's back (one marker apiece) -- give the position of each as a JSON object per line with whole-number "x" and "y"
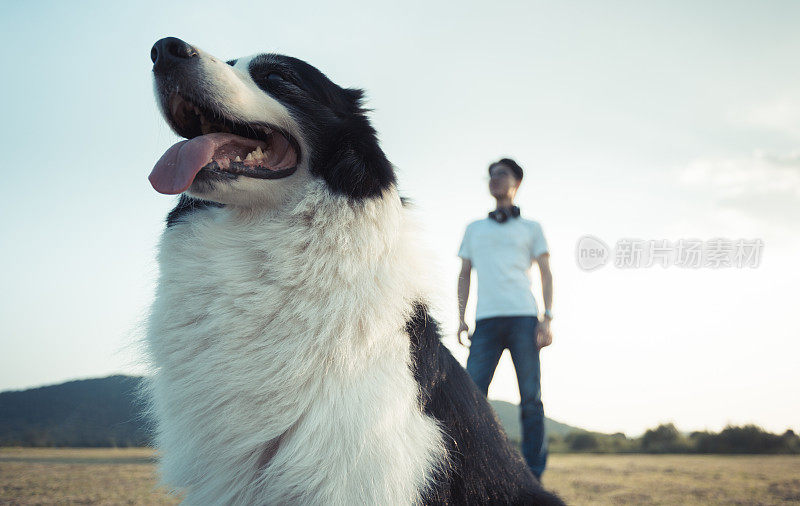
{"x": 483, "y": 468}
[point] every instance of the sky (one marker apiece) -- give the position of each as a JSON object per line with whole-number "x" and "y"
{"x": 645, "y": 120}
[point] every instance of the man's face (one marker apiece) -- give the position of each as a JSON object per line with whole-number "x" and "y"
{"x": 502, "y": 182}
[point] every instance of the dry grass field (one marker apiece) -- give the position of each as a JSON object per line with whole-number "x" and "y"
{"x": 79, "y": 476}
{"x": 127, "y": 476}
{"x": 675, "y": 479}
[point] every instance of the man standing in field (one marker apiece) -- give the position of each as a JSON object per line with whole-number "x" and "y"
{"x": 502, "y": 248}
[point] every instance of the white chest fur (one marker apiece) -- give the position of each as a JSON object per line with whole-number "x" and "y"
{"x": 281, "y": 365}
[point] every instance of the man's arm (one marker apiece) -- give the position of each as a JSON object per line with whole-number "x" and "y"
{"x": 544, "y": 337}
{"x": 463, "y": 295}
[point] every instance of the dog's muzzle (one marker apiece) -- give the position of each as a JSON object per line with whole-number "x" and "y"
{"x": 171, "y": 52}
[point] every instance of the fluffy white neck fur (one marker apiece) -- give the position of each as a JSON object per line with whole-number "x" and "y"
{"x": 282, "y": 368}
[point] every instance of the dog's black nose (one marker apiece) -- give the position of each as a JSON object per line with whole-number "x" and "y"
{"x": 169, "y": 51}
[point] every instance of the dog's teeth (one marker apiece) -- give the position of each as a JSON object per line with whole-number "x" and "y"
{"x": 249, "y": 157}
{"x": 237, "y": 159}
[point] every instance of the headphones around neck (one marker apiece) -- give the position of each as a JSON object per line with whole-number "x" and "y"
{"x": 501, "y": 216}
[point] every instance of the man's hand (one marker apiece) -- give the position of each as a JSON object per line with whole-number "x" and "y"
{"x": 462, "y": 327}
{"x": 544, "y": 336}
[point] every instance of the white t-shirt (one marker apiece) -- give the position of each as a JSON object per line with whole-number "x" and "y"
{"x": 502, "y": 254}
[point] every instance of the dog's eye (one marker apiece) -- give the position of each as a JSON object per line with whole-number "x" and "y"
{"x": 274, "y": 76}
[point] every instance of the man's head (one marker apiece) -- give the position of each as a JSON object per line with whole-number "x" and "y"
{"x": 505, "y": 176}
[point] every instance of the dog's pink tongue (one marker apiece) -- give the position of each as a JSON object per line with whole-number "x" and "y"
{"x": 177, "y": 167}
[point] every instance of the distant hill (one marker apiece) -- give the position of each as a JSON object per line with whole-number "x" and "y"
{"x": 107, "y": 412}
{"x": 93, "y": 412}
{"x": 509, "y": 417}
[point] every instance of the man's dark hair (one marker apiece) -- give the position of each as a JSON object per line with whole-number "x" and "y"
{"x": 511, "y": 164}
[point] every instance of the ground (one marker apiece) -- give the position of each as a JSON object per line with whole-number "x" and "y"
{"x": 674, "y": 479}
{"x": 127, "y": 476}
{"x": 79, "y": 476}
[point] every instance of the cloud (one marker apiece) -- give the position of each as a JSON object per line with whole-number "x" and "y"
{"x": 759, "y": 174}
{"x": 760, "y": 191}
{"x": 781, "y": 114}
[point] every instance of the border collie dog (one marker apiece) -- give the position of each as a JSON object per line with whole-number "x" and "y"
{"x": 295, "y": 361}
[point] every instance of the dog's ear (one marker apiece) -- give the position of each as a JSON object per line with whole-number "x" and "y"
{"x": 347, "y": 102}
{"x": 354, "y": 163}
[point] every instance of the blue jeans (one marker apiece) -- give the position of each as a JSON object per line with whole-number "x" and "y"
{"x": 518, "y": 334}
